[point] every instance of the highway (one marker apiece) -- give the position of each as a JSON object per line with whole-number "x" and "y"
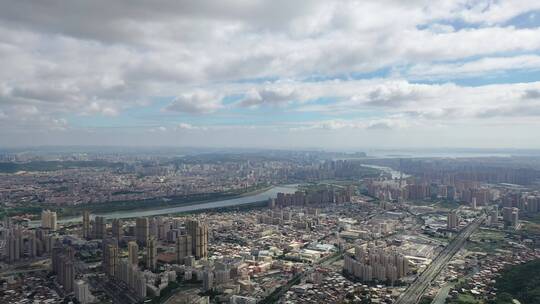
{"x": 415, "y": 291}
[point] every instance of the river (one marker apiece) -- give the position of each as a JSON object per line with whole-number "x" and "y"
{"x": 249, "y": 199}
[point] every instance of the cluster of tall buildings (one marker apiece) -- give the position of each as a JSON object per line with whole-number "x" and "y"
{"x": 220, "y": 273}
{"x": 96, "y": 229}
{"x": 191, "y": 238}
{"x": 23, "y": 243}
{"x": 183, "y": 248}
{"x": 157, "y": 227}
{"x": 131, "y": 276}
{"x": 376, "y": 263}
{"x": 63, "y": 265}
{"x": 467, "y": 192}
{"x": 127, "y": 270}
{"x": 343, "y": 168}
{"x": 450, "y": 171}
{"x": 525, "y": 202}
{"x": 321, "y": 197}
{"x": 533, "y": 203}
{"x": 194, "y": 243}
{"x": 282, "y": 216}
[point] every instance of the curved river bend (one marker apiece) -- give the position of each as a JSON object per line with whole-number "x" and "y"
{"x": 270, "y": 193}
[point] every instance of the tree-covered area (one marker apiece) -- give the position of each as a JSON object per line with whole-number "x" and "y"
{"x": 521, "y": 282}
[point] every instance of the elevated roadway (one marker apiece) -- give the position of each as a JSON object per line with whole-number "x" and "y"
{"x": 416, "y": 290}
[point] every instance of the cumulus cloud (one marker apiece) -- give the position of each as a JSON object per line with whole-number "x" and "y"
{"x": 340, "y": 124}
{"x": 97, "y": 108}
{"x": 195, "y": 103}
{"x": 394, "y": 93}
{"x": 381, "y": 125}
{"x": 493, "y": 12}
{"x": 187, "y": 126}
{"x": 441, "y": 102}
{"x": 269, "y": 96}
{"x": 474, "y": 68}
{"x": 158, "y": 129}
{"x": 21, "y": 118}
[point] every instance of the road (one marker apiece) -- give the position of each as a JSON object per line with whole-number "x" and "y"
{"x": 24, "y": 271}
{"x": 441, "y": 296}
{"x": 415, "y": 291}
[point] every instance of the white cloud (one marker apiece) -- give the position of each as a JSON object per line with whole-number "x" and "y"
{"x": 387, "y": 98}
{"x": 474, "y": 68}
{"x": 195, "y": 103}
{"x": 187, "y": 126}
{"x": 340, "y": 124}
{"x": 59, "y": 61}
{"x": 269, "y": 96}
{"x": 492, "y": 12}
{"x": 98, "y": 108}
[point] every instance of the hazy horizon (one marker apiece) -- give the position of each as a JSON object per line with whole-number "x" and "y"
{"x": 371, "y": 152}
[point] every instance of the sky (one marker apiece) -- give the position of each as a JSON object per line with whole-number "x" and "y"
{"x": 270, "y": 74}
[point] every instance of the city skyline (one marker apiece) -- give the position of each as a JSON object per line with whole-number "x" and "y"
{"x": 308, "y": 74}
{"x": 205, "y": 226}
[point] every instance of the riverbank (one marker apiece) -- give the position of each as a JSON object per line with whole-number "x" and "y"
{"x": 34, "y": 210}
{"x": 251, "y": 198}
{"x": 163, "y": 202}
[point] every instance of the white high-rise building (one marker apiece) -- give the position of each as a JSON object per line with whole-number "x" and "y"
{"x": 376, "y": 263}
{"x": 151, "y": 253}
{"x": 82, "y": 292}
{"x": 48, "y": 219}
{"x": 133, "y": 253}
